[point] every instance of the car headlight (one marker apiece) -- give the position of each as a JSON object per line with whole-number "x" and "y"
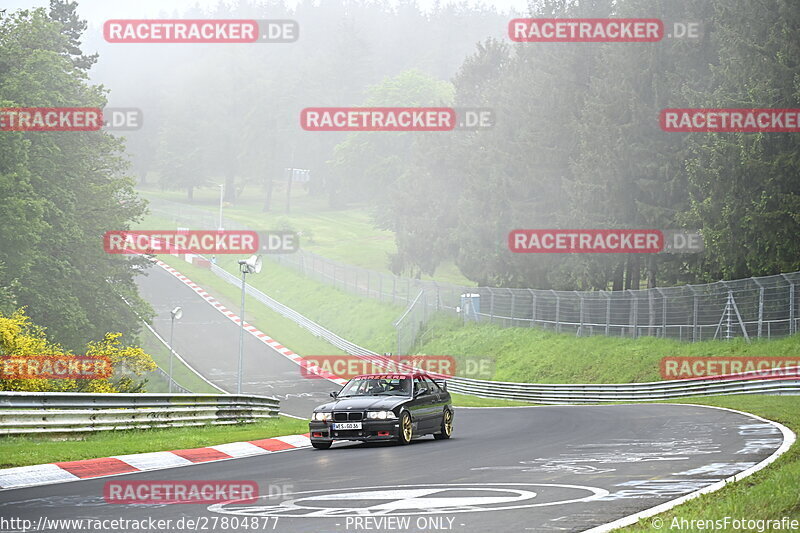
{"x": 320, "y": 417}
{"x": 381, "y": 415}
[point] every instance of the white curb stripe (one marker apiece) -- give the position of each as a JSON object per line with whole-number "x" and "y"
{"x": 297, "y": 441}
{"x": 239, "y": 449}
{"x": 153, "y": 460}
{"x": 34, "y": 475}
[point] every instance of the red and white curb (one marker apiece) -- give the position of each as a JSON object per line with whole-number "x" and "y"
{"x": 233, "y": 317}
{"x": 47, "y": 474}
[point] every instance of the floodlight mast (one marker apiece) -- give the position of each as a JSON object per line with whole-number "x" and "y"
{"x": 251, "y": 265}
{"x": 175, "y": 314}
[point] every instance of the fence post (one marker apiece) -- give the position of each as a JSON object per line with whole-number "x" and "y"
{"x": 635, "y": 310}
{"x": 608, "y": 312}
{"x": 580, "y": 312}
{"x": 792, "y": 325}
{"x": 491, "y": 305}
{"x": 513, "y": 301}
{"x": 694, "y": 314}
{"x": 760, "y": 305}
{"x": 533, "y": 307}
{"x": 663, "y": 313}
{"x": 558, "y": 311}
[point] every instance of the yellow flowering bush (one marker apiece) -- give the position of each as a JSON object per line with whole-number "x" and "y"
{"x": 22, "y": 338}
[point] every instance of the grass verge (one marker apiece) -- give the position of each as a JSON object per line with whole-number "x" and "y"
{"x": 282, "y": 329}
{"x": 531, "y": 355}
{"x": 342, "y": 234}
{"x": 31, "y": 450}
{"x": 769, "y": 494}
{"x": 180, "y": 372}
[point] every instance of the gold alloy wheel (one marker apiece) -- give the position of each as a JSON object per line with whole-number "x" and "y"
{"x": 407, "y": 429}
{"x": 448, "y": 422}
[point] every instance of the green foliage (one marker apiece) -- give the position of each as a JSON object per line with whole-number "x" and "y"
{"x": 531, "y": 355}
{"x": 61, "y": 190}
{"x": 577, "y": 144}
{"x": 19, "y": 336}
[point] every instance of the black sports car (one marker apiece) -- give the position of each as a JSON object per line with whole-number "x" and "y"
{"x": 384, "y": 407}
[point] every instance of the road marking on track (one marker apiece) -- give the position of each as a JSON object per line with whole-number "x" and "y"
{"x": 405, "y": 500}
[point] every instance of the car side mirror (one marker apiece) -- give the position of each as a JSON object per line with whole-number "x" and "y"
{"x": 334, "y": 394}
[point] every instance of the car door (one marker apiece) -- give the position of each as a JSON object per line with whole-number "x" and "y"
{"x": 420, "y": 405}
{"x": 427, "y": 401}
{"x": 438, "y": 403}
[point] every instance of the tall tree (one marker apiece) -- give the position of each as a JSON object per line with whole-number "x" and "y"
{"x": 66, "y": 189}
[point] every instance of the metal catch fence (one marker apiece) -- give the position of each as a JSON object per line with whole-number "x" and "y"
{"x": 762, "y": 307}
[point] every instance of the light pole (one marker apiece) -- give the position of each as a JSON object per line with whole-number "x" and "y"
{"x": 252, "y": 265}
{"x": 175, "y": 314}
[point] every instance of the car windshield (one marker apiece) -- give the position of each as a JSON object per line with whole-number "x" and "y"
{"x": 377, "y": 387}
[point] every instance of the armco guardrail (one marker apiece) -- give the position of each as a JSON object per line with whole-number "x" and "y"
{"x": 544, "y": 393}
{"x": 291, "y": 314}
{"x": 629, "y": 392}
{"x": 73, "y": 412}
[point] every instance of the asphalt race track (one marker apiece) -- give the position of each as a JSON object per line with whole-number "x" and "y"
{"x": 209, "y": 341}
{"x": 560, "y": 468}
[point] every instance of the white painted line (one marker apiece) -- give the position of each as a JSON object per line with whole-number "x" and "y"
{"x": 153, "y": 460}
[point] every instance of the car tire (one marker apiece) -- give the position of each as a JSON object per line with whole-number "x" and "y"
{"x": 447, "y": 426}
{"x": 406, "y": 428}
{"x": 321, "y": 445}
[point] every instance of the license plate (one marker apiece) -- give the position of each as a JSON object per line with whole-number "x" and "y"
{"x": 347, "y": 425}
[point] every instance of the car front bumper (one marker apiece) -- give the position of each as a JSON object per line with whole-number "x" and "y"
{"x": 371, "y": 430}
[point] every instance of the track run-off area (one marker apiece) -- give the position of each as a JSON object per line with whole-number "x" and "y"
{"x": 513, "y": 469}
